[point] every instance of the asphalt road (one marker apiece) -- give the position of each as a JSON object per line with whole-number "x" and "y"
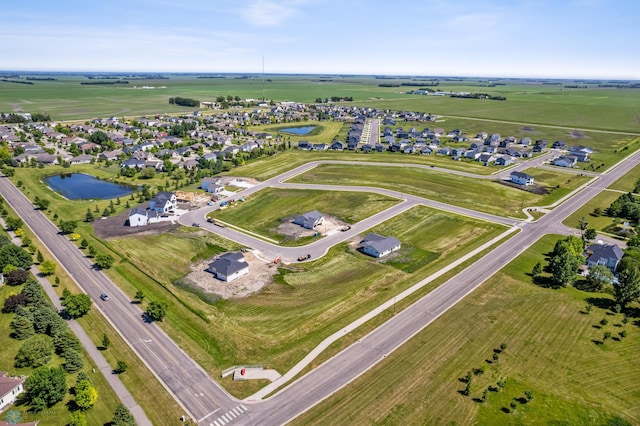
{"x": 196, "y": 392}
{"x": 203, "y": 398}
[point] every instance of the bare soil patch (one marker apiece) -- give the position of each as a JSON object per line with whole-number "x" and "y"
{"x": 118, "y": 226}
{"x": 576, "y": 134}
{"x": 260, "y": 274}
{"x": 527, "y": 128}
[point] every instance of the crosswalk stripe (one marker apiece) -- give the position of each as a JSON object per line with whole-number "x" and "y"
{"x": 237, "y": 411}
{"x": 243, "y": 407}
{"x": 216, "y": 423}
{"x": 224, "y": 416}
{"x": 232, "y": 414}
{"x": 222, "y": 421}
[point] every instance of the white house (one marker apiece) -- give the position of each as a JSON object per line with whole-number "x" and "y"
{"x": 10, "y": 388}
{"x": 229, "y": 266}
{"x": 521, "y": 178}
{"x": 138, "y": 217}
{"x": 565, "y": 161}
{"x": 378, "y": 246}
{"x": 164, "y": 202}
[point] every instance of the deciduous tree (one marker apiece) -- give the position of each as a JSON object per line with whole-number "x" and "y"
{"x": 77, "y": 305}
{"x": 156, "y": 311}
{"x": 46, "y": 386}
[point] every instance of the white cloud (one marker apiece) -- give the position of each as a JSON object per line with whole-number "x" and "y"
{"x": 270, "y": 13}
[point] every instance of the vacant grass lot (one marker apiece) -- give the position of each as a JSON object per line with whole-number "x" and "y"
{"x": 262, "y": 213}
{"x": 279, "y": 163}
{"x": 628, "y": 182}
{"x": 550, "y": 350}
{"x": 550, "y": 179}
{"x": 305, "y": 304}
{"x": 478, "y": 194}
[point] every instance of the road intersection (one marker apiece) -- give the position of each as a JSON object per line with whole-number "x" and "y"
{"x": 202, "y": 397}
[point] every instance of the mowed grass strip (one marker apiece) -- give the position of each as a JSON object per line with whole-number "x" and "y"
{"x": 264, "y": 212}
{"x": 305, "y": 304}
{"x": 549, "y": 351}
{"x": 478, "y": 194}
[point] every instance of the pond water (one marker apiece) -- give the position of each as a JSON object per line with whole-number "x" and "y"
{"x": 298, "y": 130}
{"x": 78, "y": 186}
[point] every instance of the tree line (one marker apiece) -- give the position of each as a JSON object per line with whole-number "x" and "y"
{"x": 188, "y": 102}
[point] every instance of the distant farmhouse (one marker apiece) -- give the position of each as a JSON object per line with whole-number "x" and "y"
{"x": 378, "y": 246}
{"x": 138, "y": 217}
{"x": 309, "y": 220}
{"x": 521, "y": 178}
{"x": 229, "y": 266}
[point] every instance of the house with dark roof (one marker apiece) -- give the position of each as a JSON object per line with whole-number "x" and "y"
{"x": 378, "y": 246}
{"x": 580, "y": 152}
{"x": 305, "y": 145}
{"x": 229, "y": 266}
{"x": 138, "y": 217}
{"x": 309, "y": 220}
{"x": 10, "y": 388}
{"x": 164, "y": 202}
{"x": 608, "y": 255}
{"x": 521, "y": 178}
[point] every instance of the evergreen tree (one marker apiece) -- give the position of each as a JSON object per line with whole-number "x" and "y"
{"x": 22, "y": 328}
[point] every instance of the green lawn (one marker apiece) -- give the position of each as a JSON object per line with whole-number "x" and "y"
{"x": 478, "y": 194}
{"x": 627, "y": 183}
{"x": 263, "y": 212}
{"x": 58, "y": 414}
{"x": 324, "y": 131}
{"x": 304, "y": 305}
{"x": 550, "y": 179}
{"x": 550, "y": 350}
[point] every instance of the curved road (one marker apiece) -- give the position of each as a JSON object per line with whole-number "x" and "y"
{"x": 202, "y": 398}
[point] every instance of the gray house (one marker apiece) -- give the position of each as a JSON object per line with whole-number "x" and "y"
{"x": 378, "y": 246}
{"x": 608, "y": 255}
{"x": 229, "y": 266}
{"x": 309, "y": 220}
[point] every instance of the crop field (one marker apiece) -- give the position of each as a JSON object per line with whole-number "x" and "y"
{"x": 550, "y": 350}
{"x": 478, "y": 194}
{"x": 305, "y": 304}
{"x": 263, "y": 212}
{"x": 528, "y": 101}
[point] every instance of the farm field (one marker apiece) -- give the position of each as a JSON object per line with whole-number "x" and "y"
{"x": 265, "y": 211}
{"x": 528, "y": 101}
{"x": 550, "y": 350}
{"x": 478, "y": 194}
{"x": 305, "y": 304}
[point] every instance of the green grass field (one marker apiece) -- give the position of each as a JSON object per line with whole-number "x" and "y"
{"x": 324, "y": 131}
{"x": 527, "y": 101}
{"x": 100, "y": 413}
{"x": 265, "y": 211}
{"x": 305, "y": 304}
{"x": 550, "y": 350}
{"x": 478, "y": 194}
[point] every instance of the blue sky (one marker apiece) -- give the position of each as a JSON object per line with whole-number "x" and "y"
{"x": 511, "y": 38}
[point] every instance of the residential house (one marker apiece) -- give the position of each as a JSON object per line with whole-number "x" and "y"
{"x": 208, "y": 181}
{"x": 526, "y": 141}
{"x": 82, "y": 159}
{"x": 580, "y": 152}
{"x": 559, "y": 145}
{"x": 305, "y": 145}
{"x": 164, "y": 202}
{"x": 110, "y": 155}
{"x": 522, "y": 178}
{"x": 504, "y": 160}
{"x": 378, "y": 246}
{"x": 138, "y": 217}
{"x": 486, "y": 158}
{"x": 229, "y": 266}
{"x": 337, "y": 145}
{"x": 608, "y": 255}
{"x": 309, "y": 220}
{"x": 10, "y": 388}
{"x": 320, "y": 146}
{"x": 565, "y": 161}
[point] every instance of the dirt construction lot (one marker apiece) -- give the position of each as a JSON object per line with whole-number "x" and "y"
{"x": 260, "y": 274}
